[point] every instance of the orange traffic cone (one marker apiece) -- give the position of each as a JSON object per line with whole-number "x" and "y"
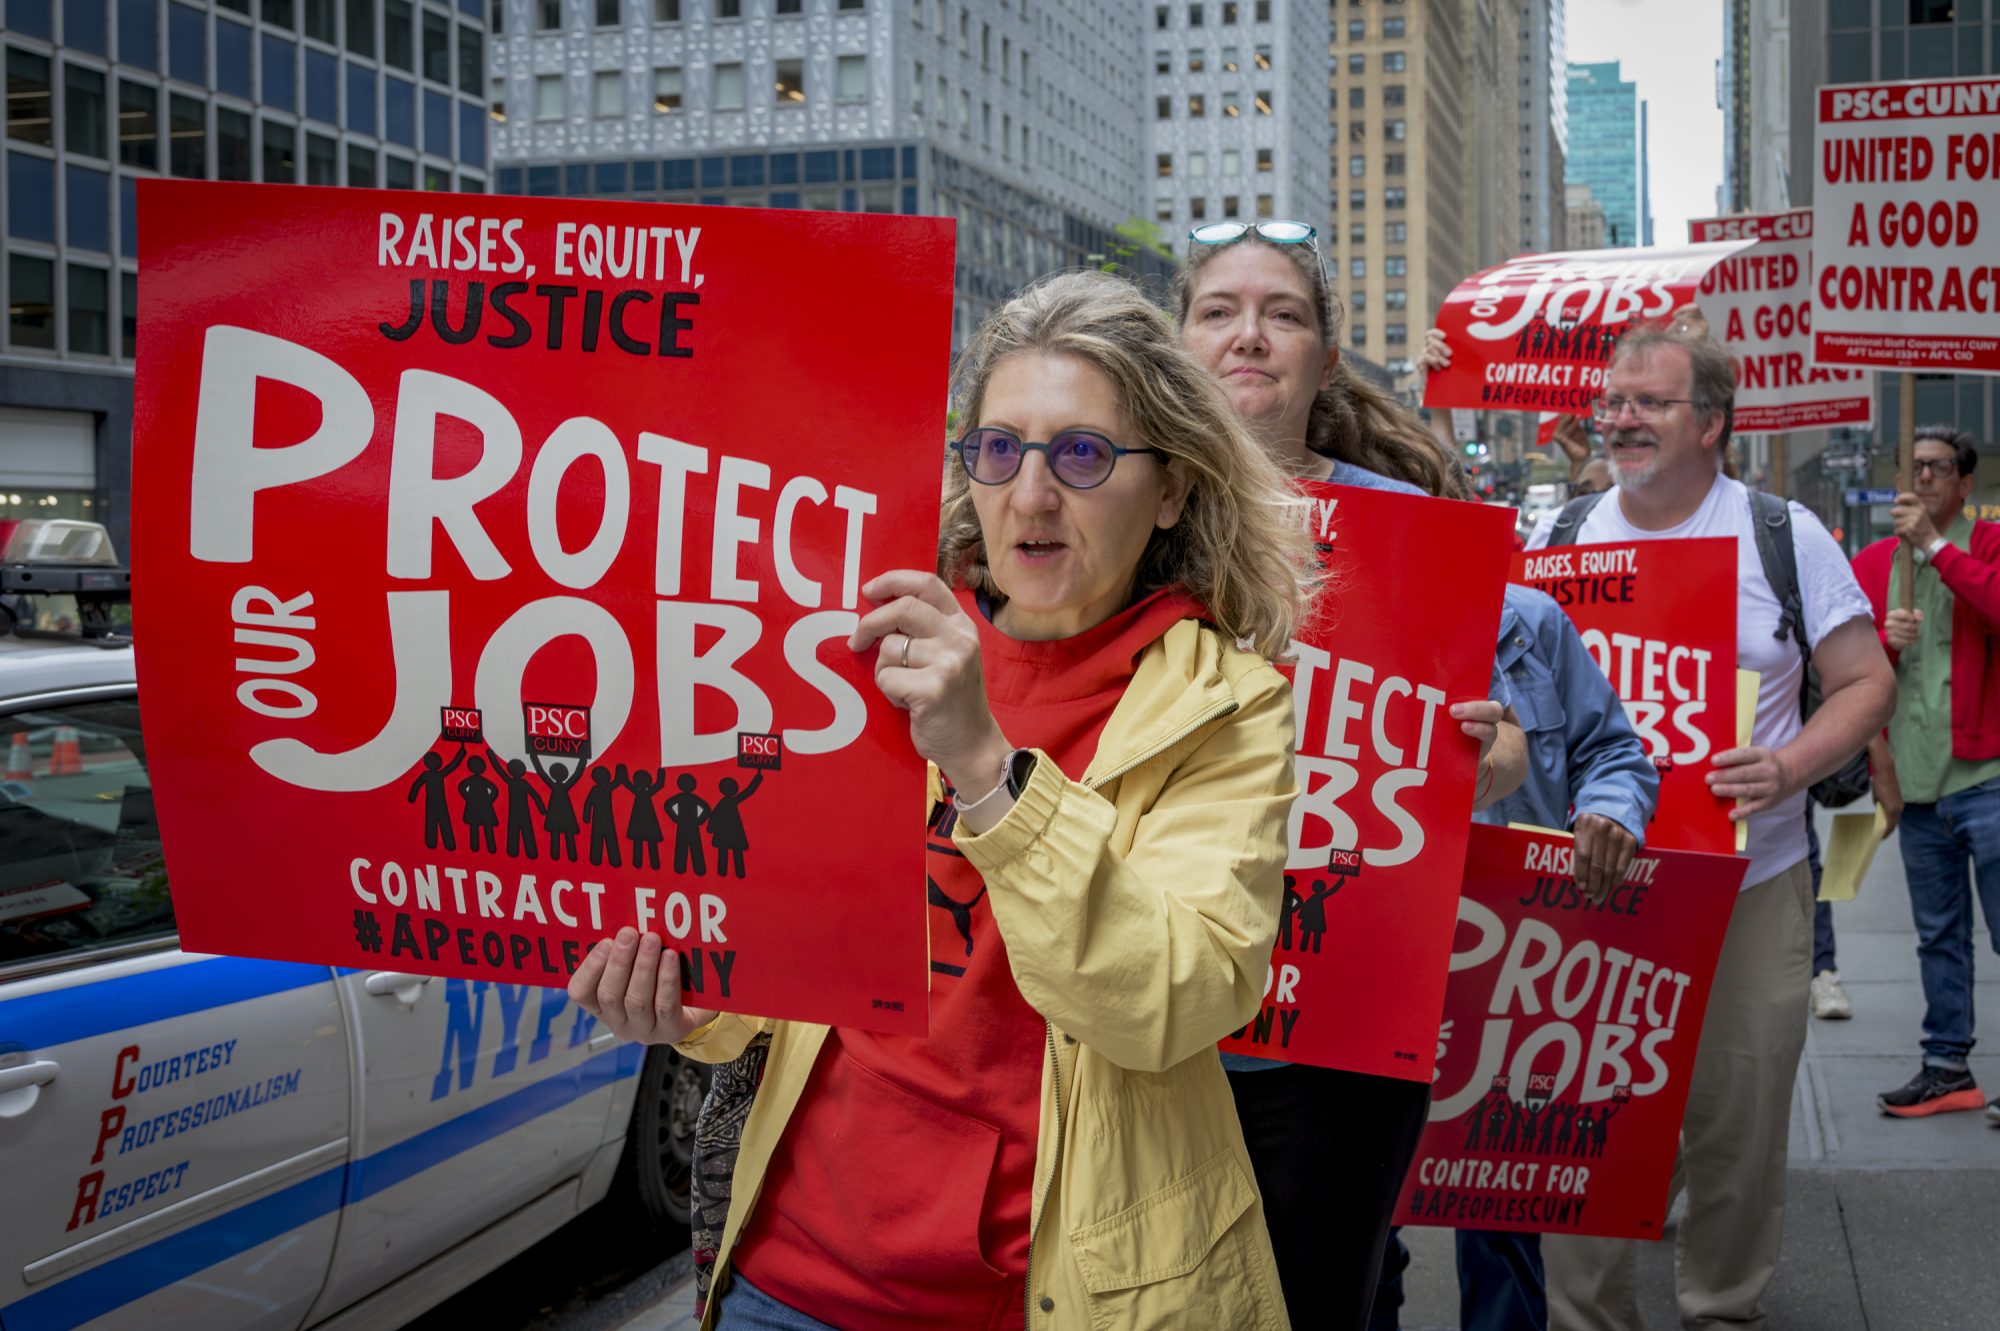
{"x": 20, "y": 762}
{"x": 66, "y": 754}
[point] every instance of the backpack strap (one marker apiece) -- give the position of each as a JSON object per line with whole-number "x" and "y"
{"x": 1569, "y": 522}
{"x": 1771, "y": 520}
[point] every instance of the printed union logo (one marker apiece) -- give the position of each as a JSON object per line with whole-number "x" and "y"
{"x": 1501, "y": 1082}
{"x": 1620, "y": 1094}
{"x": 1542, "y": 1083}
{"x": 461, "y": 724}
{"x": 1346, "y": 863}
{"x": 766, "y": 752}
{"x": 556, "y": 730}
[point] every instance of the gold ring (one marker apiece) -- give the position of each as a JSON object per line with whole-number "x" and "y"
{"x": 906, "y": 651}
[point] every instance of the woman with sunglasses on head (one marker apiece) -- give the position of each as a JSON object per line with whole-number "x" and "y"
{"x": 1330, "y": 1147}
{"x": 1088, "y": 672}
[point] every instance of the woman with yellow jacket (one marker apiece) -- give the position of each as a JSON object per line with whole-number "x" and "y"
{"x": 1088, "y": 672}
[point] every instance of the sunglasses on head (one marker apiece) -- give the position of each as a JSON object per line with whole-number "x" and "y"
{"x": 1277, "y": 231}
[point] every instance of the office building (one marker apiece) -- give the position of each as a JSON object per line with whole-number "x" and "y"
{"x": 101, "y": 94}
{"x": 1607, "y": 150}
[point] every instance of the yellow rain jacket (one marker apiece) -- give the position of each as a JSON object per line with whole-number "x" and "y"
{"x": 1139, "y": 907}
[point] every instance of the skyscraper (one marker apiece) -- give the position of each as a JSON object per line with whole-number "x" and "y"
{"x": 1607, "y": 150}
{"x": 102, "y": 95}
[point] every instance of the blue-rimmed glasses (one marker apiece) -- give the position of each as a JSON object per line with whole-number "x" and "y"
{"x": 1080, "y": 459}
{"x": 1276, "y": 230}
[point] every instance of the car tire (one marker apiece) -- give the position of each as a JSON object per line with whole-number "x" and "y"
{"x": 658, "y": 1165}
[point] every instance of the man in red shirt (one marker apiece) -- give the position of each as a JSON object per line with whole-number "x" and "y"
{"x": 1942, "y": 762}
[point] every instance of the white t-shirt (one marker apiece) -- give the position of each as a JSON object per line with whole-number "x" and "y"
{"x": 1777, "y": 837}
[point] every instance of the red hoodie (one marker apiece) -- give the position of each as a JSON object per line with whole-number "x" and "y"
{"x": 1973, "y": 578}
{"x": 898, "y": 1196}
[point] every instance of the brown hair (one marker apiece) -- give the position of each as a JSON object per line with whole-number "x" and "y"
{"x": 1352, "y": 420}
{"x": 1241, "y": 546}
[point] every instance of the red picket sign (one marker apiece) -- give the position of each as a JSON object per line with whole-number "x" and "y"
{"x": 1759, "y": 304}
{"x": 478, "y": 532}
{"x": 1537, "y": 332}
{"x": 1385, "y": 779}
{"x": 1659, "y": 618}
{"x": 1569, "y": 1040}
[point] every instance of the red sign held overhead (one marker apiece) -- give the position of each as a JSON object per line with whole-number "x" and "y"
{"x": 1906, "y": 265}
{"x": 1759, "y": 304}
{"x": 1595, "y": 1011}
{"x": 1536, "y": 333}
{"x": 485, "y": 541}
{"x": 1385, "y": 780}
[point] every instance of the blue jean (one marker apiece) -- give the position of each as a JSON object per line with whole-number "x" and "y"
{"x": 1940, "y": 842}
{"x": 747, "y": 1308}
{"x": 1823, "y": 959}
{"x": 1500, "y": 1285}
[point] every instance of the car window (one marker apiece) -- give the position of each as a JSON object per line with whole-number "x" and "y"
{"x": 80, "y": 864}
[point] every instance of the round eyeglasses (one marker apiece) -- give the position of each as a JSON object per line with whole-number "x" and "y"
{"x": 1079, "y": 459}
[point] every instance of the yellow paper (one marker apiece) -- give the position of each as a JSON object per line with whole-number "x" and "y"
{"x": 1849, "y": 852}
{"x": 1544, "y": 831}
{"x": 1746, "y": 718}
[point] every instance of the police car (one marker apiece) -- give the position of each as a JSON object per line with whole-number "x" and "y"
{"x": 218, "y": 1142}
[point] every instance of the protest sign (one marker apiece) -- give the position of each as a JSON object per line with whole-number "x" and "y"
{"x": 1386, "y": 779}
{"x": 1536, "y": 333}
{"x": 503, "y": 554}
{"x": 1759, "y": 303}
{"x": 1659, "y": 618}
{"x": 1569, "y": 1039}
{"x": 1906, "y": 268}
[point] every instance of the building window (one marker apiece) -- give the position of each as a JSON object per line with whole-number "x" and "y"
{"x": 1197, "y": 59}
{"x": 667, "y": 90}
{"x": 1265, "y": 161}
{"x": 1394, "y": 197}
{"x": 1197, "y": 106}
{"x": 548, "y": 97}
{"x": 1357, "y": 267}
{"x": 398, "y": 172}
{"x": 1198, "y": 208}
{"x": 30, "y": 105}
{"x": 728, "y": 88}
{"x": 1229, "y": 13}
{"x": 138, "y": 125}
{"x": 607, "y": 13}
{"x": 1357, "y": 198}
{"x": 1357, "y": 336}
{"x": 360, "y": 28}
{"x": 1396, "y": 266}
{"x": 187, "y": 137}
{"x": 398, "y": 41}
{"x": 1394, "y": 163}
{"x": 232, "y": 145}
{"x": 322, "y": 160}
{"x": 1197, "y": 164}
{"x": 1160, "y": 19}
{"x": 1395, "y": 334}
{"x": 1163, "y": 62}
{"x": 1163, "y": 108}
{"x": 790, "y": 85}
{"x": 1357, "y": 233}
{"x": 1232, "y": 162}
{"x": 1194, "y": 16}
{"x": 607, "y": 93}
{"x": 1396, "y": 232}
{"x": 850, "y": 78}
{"x": 549, "y": 15}
{"x": 1397, "y": 299}
{"x": 1396, "y": 130}
{"x": 1357, "y": 165}
{"x": 128, "y": 290}
{"x": 1392, "y": 28}
{"x": 664, "y": 11}
{"x": 437, "y": 48}
{"x": 281, "y": 149}
{"x": 85, "y": 126}
{"x": 1357, "y": 29}
{"x": 1357, "y": 98}
{"x": 1263, "y": 11}
{"x": 1261, "y": 99}
{"x": 1163, "y": 164}
{"x": 1357, "y": 64}
{"x": 852, "y": 4}
{"x": 1392, "y": 95}
{"x": 1357, "y": 131}
{"x": 360, "y": 166}
{"x": 31, "y": 302}
{"x": 1394, "y": 62}
{"x": 1231, "y": 205}
{"x": 1163, "y": 209}
{"x": 729, "y": 8}
{"x": 1357, "y": 300}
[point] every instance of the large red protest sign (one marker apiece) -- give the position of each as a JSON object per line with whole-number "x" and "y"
{"x": 1906, "y": 265}
{"x": 1386, "y": 779}
{"x": 1659, "y": 618}
{"x": 1569, "y": 1039}
{"x": 1759, "y": 303}
{"x": 503, "y": 553}
{"x": 1536, "y": 333}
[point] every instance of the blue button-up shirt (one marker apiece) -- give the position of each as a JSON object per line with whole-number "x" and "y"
{"x": 1583, "y": 755}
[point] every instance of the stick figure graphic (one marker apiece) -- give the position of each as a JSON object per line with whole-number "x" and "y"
{"x": 643, "y": 824}
{"x": 560, "y": 820}
{"x": 1496, "y": 1122}
{"x": 1475, "y": 1122}
{"x": 1562, "y": 1132}
{"x": 1598, "y": 1133}
{"x": 1585, "y": 1127}
{"x": 437, "y": 807}
{"x": 522, "y": 802}
{"x": 603, "y": 819}
{"x": 1292, "y": 903}
{"x": 1312, "y": 915}
{"x": 687, "y": 811}
{"x": 725, "y": 824}
{"x": 1549, "y": 1116}
{"x": 479, "y": 795}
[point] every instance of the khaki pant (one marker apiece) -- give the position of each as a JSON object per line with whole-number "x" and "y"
{"x": 1732, "y": 1156}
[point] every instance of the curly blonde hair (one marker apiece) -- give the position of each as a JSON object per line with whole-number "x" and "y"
{"x": 1241, "y": 546}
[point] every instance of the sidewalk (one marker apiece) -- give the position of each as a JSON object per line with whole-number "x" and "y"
{"x": 1891, "y": 1224}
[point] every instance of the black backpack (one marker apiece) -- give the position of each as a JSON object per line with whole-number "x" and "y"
{"x": 1771, "y": 518}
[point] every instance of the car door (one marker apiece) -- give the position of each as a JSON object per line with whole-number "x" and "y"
{"x": 174, "y": 1127}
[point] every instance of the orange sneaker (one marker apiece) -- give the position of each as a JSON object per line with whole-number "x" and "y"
{"x": 1933, "y": 1091}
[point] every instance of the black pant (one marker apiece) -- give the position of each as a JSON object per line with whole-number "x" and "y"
{"x": 1330, "y": 1149}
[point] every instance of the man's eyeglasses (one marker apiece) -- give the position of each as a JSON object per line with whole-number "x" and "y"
{"x": 1277, "y": 231}
{"x": 1646, "y": 410}
{"x": 1939, "y": 467}
{"x": 1080, "y": 459}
